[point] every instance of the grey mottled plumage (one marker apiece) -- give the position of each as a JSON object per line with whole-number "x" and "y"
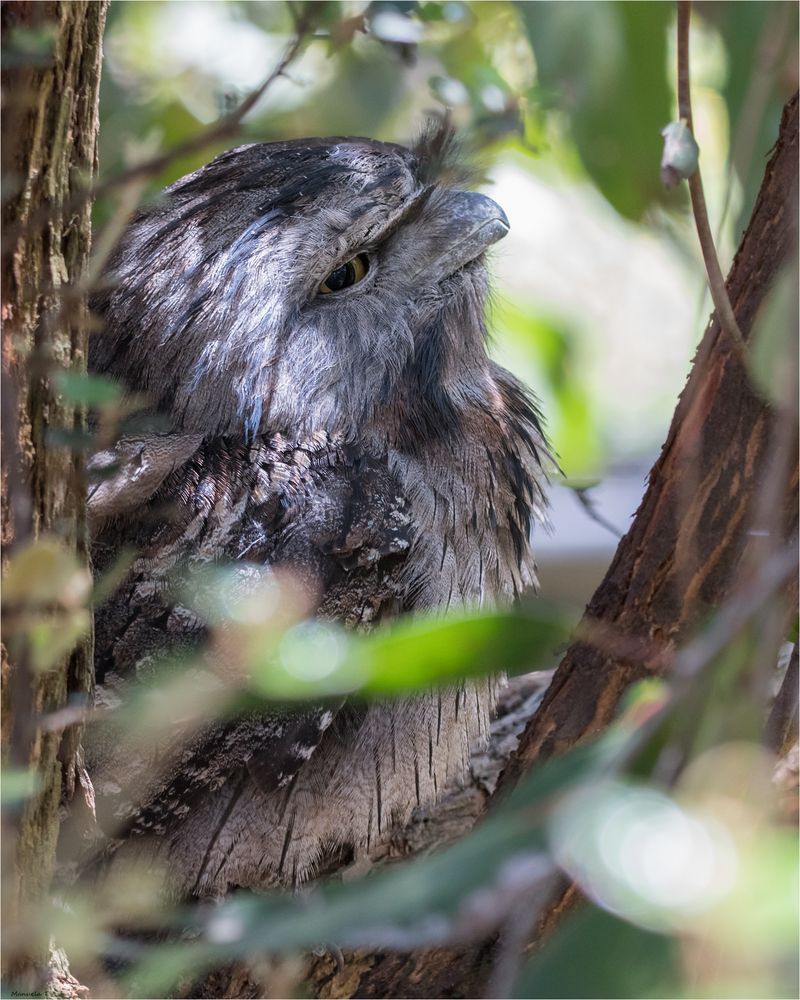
{"x": 361, "y": 439}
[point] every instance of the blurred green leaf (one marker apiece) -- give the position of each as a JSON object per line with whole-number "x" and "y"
{"x": 107, "y": 582}
{"x": 773, "y": 350}
{"x": 760, "y": 38}
{"x": 640, "y": 854}
{"x": 760, "y": 918}
{"x": 17, "y": 785}
{"x": 90, "y": 390}
{"x": 29, "y": 46}
{"x": 76, "y": 439}
{"x": 46, "y": 572}
{"x": 51, "y": 637}
{"x": 421, "y": 899}
{"x": 315, "y": 658}
{"x": 548, "y": 352}
{"x": 607, "y": 65}
{"x": 431, "y": 11}
{"x": 594, "y": 954}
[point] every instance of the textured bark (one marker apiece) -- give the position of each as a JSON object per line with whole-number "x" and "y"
{"x": 50, "y": 119}
{"x": 679, "y": 560}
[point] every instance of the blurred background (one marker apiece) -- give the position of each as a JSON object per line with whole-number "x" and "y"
{"x": 599, "y": 293}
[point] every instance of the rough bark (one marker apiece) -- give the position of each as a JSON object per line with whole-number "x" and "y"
{"x": 50, "y": 120}
{"x": 679, "y": 560}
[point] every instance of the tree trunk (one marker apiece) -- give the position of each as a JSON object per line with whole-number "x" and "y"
{"x": 52, "y": 56}
{"x": 680, "y": 559}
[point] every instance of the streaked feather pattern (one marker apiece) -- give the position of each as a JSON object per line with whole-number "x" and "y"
{"x": 362, "y": 441}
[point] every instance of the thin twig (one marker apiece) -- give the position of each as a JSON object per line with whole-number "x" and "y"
{"x": 227, "y": 126}
{"x": 716, "y": 280}
{"x": 589, "y": 504}
{"x": 147, "y": 169}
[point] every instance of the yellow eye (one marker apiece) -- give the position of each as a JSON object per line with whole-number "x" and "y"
{"x": 348, "y": 274}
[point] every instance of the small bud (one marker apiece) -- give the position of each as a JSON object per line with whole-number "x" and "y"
{"x": 681, "y": 152}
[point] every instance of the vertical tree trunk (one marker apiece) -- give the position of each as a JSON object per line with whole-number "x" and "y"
{"x": 52, "y": 56}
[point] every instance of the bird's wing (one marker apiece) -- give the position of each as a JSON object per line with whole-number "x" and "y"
{"x": 332, "y": 519}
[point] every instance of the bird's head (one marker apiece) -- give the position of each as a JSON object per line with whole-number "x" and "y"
{"x": 317, "y": 284}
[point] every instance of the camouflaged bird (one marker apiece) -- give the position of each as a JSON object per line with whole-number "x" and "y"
{"x": 308, "y": 316}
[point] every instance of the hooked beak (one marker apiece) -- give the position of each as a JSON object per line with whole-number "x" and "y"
{"x": 474, "y": 222}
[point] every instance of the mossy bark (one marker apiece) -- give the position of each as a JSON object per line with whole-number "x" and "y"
{"x": 51, "y": 74}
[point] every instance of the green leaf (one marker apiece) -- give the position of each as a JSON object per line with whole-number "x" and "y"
{"x": 107, "y": 582}
{"x": 90, "y": 390}
{"x": 549, "y": 353}
{"x": 76, "y": 439}
{"x": 316, "y": 659}
{"x": 51, "y": 638}
{"x": 594, "y": 954}
{"x": 46, "y": 572}
{"x": 759, "y": 37}
{"x": 29, "y": 46}
{"x": 773, "y": 353}
{"x": 607, "y": 65}
{"x": 17, "y": 785}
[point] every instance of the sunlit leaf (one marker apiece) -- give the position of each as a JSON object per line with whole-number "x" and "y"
{"x": 449, "y": 91}
{"x": 636, "y": 852}
{"x": 314, "y": 658}
{"x": 391, "y": 26}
